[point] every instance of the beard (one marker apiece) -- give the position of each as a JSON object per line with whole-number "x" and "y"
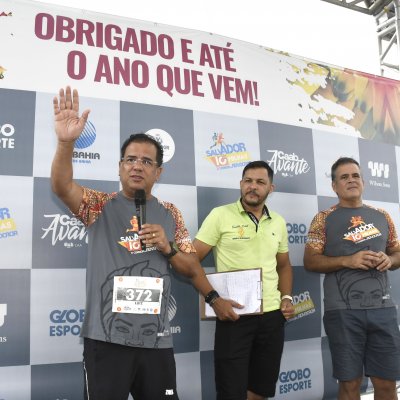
{"x": 253, "y": 201}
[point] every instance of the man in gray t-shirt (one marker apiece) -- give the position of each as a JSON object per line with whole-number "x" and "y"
{"x": 355, "y": 245}
{"x": 127, "y": 339}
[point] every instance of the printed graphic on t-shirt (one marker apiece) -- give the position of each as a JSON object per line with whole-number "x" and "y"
{"x": 240, "y": 232}
{"x": 362, "y": 290}
{"x": 133, "y": 329}
{"x": 130, "y": 240}
{"x": 359, "y": 231}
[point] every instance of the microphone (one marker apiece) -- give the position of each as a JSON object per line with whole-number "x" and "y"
{"x": 140, "y": 202}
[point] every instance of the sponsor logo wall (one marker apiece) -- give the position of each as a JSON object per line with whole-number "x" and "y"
{"x": 42, "y": 294}
{"x": 206, "y": 144}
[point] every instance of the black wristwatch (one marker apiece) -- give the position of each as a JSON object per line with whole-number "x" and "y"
{"x": 211, "y": 297}
{"x": 174, "y": 250}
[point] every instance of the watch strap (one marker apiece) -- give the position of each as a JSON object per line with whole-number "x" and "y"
{"x": 172, "y": 252}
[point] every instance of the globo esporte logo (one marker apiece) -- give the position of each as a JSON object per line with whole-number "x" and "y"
{"x": 295, "y": 380}
{"x": 7, "y": 140}
{"x": 66, "y": 322}
{"x": 297, "y": 232}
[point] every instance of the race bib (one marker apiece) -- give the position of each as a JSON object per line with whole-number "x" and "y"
{"x": 137, "y": 294}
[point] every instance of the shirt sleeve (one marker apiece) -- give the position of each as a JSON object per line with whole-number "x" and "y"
{"x": 209, "y": 231}
{"x": 393, "y": 240}
{"x": 182, "y": 236}
{"x": 92, "y": 205}
{"x": 316, "y": 238}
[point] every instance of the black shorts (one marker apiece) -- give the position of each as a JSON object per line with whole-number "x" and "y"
{"x": 112, "y": 371}
{"x": 247, "y": 355}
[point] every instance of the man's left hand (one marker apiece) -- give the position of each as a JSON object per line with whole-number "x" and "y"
{"x": 224, "y": 309}
{"x": 154, "y": 235}
{"x": 384, "y": 262}
{"x": 287, "y": 308}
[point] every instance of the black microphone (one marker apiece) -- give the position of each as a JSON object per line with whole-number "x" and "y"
{"x": 140, "y": 202}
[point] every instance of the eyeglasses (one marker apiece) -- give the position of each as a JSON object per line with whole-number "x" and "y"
{"x": 132, "y": 160}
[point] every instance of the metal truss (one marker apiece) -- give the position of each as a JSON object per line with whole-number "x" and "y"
{"x": 387, "y": 18}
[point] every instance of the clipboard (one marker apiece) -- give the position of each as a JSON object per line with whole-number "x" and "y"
{"x": 242, "y": 285}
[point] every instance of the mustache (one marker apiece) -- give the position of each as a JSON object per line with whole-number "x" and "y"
{"x": 252, "y": 192}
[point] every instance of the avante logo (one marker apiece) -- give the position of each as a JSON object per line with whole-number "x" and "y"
{"x": 65, "y": 228}
{"x": 226, "y": 155}
{"x": 288, "y": 164}
{"x": 87, "y": 137}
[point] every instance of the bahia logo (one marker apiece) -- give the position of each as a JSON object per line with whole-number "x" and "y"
{"x": 172, "y": 309}
{"x": 165, "y": 140}
{"x": 7, "y": 224}
{"x": 225, "y": 155}
{"x": 66, "y": 229}
{"x": 3, "y": 313}
{"x": 297, "y": 233}
{"x": 85, "y": 140}
{"x": 66, "y": 322}
{"x": 288, "y": 165}
{"x": 6, "y": 139}
{"x": 295, "y": 380}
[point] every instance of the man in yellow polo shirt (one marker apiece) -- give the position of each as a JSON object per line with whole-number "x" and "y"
{"x": 244, "y": 235}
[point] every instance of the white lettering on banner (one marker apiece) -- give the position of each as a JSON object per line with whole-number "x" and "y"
{"x": 3, "y": 313}
{"x": 64, "y": 227}
{"x": 7, "y": 142}
{"x": 379, "y": 184}
{"x": 378, "y": 169}
{"x": 7, "y": 130}
{"x": 288, "y": 164}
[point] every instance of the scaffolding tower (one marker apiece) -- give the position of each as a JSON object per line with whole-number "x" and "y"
{"x": 387, "y": 18}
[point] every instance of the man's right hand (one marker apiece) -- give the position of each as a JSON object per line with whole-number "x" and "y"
{"x": 224, "y": 309}
{"x": 68, "y": 124}
{"x": 365, "y": 259}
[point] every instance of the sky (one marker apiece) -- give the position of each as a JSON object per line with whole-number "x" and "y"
{"x": 312, "y": 29}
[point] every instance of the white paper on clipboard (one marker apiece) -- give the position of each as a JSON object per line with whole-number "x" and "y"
{"x": 243, "y": 286}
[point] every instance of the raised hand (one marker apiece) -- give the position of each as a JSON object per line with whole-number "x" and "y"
{"x": 67, "y": 122}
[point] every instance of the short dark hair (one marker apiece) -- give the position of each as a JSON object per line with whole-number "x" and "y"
{"x": 341, "y": 161}
{"x": 144, "y": 138}
{"x": 259, "y": 164}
